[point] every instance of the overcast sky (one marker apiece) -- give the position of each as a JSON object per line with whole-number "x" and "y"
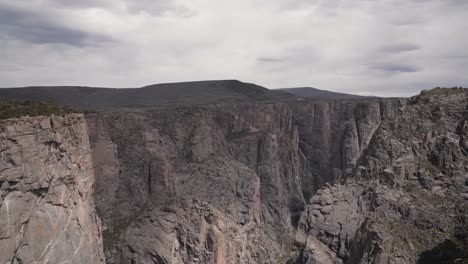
{"x": 380, "y": 47}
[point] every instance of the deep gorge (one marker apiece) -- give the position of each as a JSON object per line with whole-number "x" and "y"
{"x": 365, "y": 180}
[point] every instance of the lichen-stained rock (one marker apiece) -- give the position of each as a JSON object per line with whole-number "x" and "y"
{"x": 47, "y": 212}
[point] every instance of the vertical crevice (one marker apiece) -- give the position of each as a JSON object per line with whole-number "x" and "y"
{"x": 259, "y": 151}
{"x": 358, "y": 134}
{"x": 381, "y": 110}
{"x": 149, "y": 177}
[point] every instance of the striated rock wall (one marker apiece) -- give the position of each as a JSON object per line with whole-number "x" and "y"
{"x": 47, "y": 212}
{"x": 345, "y": 181}
{"x": 333, "y": 135}
{"x": 215, "y": 184}
{"x": 405, "y": 195}
{"x": 299, "y": 181}
{"x": 350, "y": 181}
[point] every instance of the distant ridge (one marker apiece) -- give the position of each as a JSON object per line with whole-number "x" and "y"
{"x": 168, "y": 94}
{"x": 319, "y": 94}
{"x": 164, "y": 95}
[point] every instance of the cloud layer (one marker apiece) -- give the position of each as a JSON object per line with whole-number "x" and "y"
{"x": 385, "y": 47}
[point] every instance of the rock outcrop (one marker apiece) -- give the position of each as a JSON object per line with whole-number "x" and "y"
{"x": 403, "y": 196}
{"x": 47, "y": 212}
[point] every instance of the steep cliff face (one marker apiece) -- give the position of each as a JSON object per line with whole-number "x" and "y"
{"x": 299, "y": 181}
{"x": 228, "y": 183}
{"x": 215, "y": 184}
{"x": 403, "y": 196}
{"x": 333, "y": 135}
{"x": 47, "y": 212}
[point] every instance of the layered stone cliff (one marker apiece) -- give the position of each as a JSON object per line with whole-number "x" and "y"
{"x": 403, "y": 197}
{"x": 231, "y": 183}
{"x": 47, "y": 213}
{"x": 215, "y": 184}
{"x": 363, "y": 180}
{"x": 335, "y": 134}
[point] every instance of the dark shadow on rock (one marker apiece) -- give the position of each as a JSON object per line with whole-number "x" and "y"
{"x": 447, "y": 252}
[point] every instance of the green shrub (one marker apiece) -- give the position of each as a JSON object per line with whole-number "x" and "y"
{"x": 14, "y": 109}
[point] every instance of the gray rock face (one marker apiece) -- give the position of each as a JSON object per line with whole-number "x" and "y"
{"x": 216, "y": 184}
{"x": 228, "y": 184}
{"x": 334, "y": 135}
{"x": 404, "y": 194}
{"x": 47, "y": 212}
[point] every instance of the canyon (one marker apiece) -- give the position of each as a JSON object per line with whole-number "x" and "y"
{"x": 228, "y": 172}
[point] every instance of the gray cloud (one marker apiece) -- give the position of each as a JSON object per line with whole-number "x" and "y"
{"x": 9, "y": 68}
{"x": 159, "y": 7}
{"x": 83, "y": 3}
{"x": 152, "y": 7}
{"x": 399, "y": 48}
{"x": 270, "y": 60}
{"x": 36, "y": 28}
{"x": 360, "y": 46}
{"x": 395, "y": 68}
{"x": 408, "y": 21}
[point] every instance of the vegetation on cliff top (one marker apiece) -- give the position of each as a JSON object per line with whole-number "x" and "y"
{"x": 14, "y": 109}
{"x": 444, "y": 91}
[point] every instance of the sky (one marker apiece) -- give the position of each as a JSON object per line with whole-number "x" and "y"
{"x": 367, "y": 47}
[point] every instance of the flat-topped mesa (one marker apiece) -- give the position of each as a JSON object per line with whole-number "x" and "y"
{"x": 47, "y": 212}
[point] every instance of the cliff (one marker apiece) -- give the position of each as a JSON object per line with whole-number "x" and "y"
{"x": 404, "y": 198}
{"x": 333, "y": 135}
{"x": 215, "y": 184}
{"x": 343, "y": 181}
{"x": 296, "y": 181}
{"x": 47, "y": 211}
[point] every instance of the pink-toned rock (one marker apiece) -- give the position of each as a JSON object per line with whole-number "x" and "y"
{"x": 47, "y": 212}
